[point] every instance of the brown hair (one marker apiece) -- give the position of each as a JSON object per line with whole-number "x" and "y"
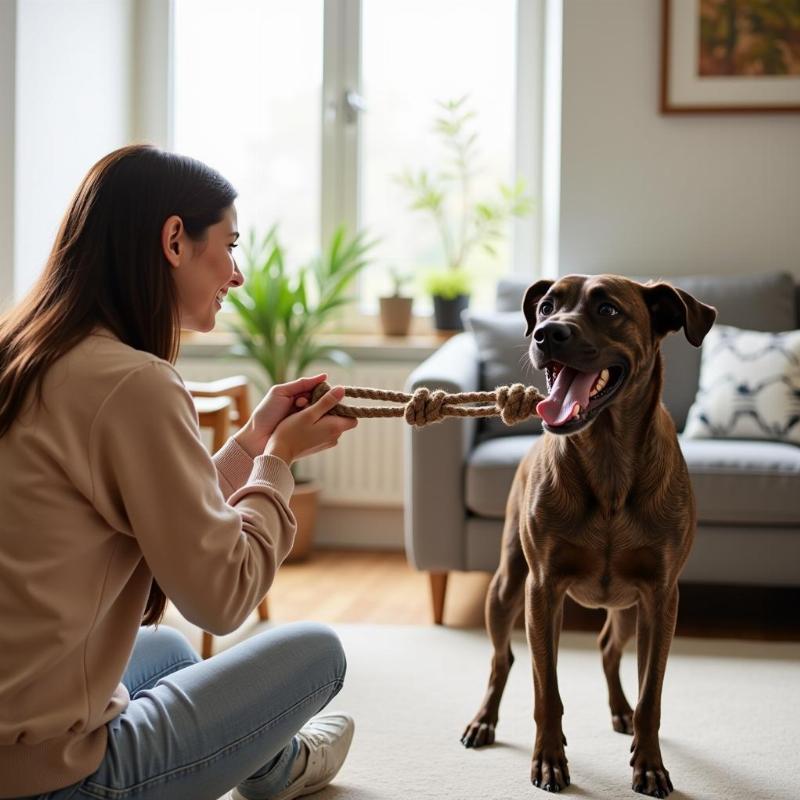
{"x": 107, "y": 267}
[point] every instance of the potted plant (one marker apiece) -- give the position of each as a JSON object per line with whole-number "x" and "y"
{"x": 279, "y": 314}
{"x": 396, "y": 307}
{"x": 464, "y": 224}
{"x": 450, "y": 290}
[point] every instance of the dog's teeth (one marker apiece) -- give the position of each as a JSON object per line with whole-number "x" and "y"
{"x": 601, "y": 382}
{"x": 599, "y": 386}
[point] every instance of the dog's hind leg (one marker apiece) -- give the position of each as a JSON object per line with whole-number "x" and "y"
{"x": 620, "y": 625}
{"x": 503, "y": 605}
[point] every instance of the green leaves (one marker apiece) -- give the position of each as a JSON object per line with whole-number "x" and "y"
{"x": 426, "y": 194}
{"x": 447, "y": 283}
{"x": 279, "y": 312}
{"x": 463, "y": 224}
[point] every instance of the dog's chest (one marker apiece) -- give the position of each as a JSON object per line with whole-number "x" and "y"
{"x": 605, "y": 559}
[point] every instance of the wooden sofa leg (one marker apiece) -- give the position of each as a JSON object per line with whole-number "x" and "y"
{"x": 438, "y": 590}
{"x": 263, "y": 610}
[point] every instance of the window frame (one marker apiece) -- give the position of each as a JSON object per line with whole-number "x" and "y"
{"x": 340, "y": 199}
{"x": 341, "y": 165}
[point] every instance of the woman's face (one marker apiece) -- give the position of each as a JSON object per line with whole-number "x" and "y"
{"x": 204, "y": 270}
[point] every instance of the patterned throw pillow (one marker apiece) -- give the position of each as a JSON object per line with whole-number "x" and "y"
{"x": 749, "y": 387}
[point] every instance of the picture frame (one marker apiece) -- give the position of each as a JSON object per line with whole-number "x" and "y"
{"x": 705, "y": 69}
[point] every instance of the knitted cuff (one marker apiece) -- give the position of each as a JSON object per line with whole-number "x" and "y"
{"x": 274, "y": 471}
{"x": 233, "y": 463}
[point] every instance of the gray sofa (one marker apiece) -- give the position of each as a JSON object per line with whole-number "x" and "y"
{"x": 459, "y": 472}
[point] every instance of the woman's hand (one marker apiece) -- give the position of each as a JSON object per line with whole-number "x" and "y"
{"x": 282, "y": 400}
{"x": 310, "y": 430}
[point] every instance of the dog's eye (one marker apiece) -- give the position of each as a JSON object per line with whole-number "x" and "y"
{"x": 545, "y": 308}
{"x": 607, "y": 310}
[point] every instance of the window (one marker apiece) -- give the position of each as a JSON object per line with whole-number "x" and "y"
{"x": 414, "y": 54}
{"x": 247, "y": 99}
{"x": 259, "y": 93}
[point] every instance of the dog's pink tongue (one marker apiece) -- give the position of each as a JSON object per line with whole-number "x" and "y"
{"x": 570, "y": 387}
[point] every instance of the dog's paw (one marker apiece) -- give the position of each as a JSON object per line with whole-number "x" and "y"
{"x": 623, "y": 722}
{"x": 549, "y": 769}
{"x": 478, "y": 734}
{"x": 650, "y": 776}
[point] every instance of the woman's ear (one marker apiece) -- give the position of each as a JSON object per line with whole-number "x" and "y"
{"x": 172, "y": 240}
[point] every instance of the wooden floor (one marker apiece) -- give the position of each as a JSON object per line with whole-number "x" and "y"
{"x": 380, "y": 587}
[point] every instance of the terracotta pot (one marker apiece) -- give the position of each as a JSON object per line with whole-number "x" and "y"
{"x": 304, "y": 503}
{"x": 395, "y": 315}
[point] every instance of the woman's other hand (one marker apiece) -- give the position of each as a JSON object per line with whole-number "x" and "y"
{"x": 310, "y": 430}
{"x": 282, "y": 400}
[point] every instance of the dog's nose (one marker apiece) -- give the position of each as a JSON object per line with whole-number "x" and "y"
{"x": 552, "y": 333}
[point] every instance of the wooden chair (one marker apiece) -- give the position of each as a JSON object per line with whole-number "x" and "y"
{"x": 218, "y": 403}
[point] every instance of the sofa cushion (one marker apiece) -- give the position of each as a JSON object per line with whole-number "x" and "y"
{"x": 755, "y": 302}
{"x": 735, "y": 482}
{"x": 749, "y": 387}
{"x": 503, "y": 355}
{"x": 509, "y": 293}
{"x": 745, "y": 483}
{"x": 490, "y": 469}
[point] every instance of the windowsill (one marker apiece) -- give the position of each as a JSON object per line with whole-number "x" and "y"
{"x": 364, "y": 346}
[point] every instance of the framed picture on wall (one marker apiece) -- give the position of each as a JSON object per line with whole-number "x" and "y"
{"x": 730, "y": 55}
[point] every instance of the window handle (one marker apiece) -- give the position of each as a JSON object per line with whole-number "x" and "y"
{"x": 354, "y": 104}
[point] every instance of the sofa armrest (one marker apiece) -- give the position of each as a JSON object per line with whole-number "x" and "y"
{"x": 435, "y": 510}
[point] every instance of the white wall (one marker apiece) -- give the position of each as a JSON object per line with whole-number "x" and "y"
{"x": 8, "y": 11}
{"x": 74, "y": 89}
{"x": 651, "y": 194}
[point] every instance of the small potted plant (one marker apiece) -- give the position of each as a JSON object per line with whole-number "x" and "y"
{"x": 464, "y": 224}
{"x": 450, "y": 289}
{"x": 279, "y": 314}
{"x": 396, "y": 307}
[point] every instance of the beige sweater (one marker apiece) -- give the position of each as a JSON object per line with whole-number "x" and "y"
{"x": 105, "y": 486}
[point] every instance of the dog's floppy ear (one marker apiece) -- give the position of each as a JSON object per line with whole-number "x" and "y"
{"x": 532, "y": 297}
{"x": 672, "y": 309}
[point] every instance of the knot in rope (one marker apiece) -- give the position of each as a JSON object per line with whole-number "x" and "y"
{"x": 425, "y": 406}
{"x": 517, "y": 402}
{"x": 512, "y": 404}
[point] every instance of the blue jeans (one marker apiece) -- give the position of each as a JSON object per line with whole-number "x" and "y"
{"x": 194, "y": 729}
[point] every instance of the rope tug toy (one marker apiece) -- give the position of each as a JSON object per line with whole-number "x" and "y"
{"x": 512, "y": 404}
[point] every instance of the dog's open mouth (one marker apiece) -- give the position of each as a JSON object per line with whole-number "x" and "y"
{"x": 574, "y": 397}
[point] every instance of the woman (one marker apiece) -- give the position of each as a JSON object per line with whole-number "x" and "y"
{"x": 109, "y": 501}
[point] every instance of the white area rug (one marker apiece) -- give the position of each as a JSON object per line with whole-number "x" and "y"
{"x": 730, "y": 723}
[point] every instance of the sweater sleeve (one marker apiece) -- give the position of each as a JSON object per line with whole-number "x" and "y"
{"x": 153, "y": 479}
{"x": 234, "y": 466}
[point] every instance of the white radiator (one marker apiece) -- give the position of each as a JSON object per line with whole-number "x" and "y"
{"x": 366, "y": 468}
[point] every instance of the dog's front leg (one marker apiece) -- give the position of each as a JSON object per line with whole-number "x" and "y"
{"x": 658, "y": 611}
{"x": 542, "y": 620}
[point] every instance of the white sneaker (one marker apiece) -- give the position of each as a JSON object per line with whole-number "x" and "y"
{"x": 327, "y": 737}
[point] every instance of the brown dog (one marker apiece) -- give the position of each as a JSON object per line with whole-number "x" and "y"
{"x": 601, "y": 508}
